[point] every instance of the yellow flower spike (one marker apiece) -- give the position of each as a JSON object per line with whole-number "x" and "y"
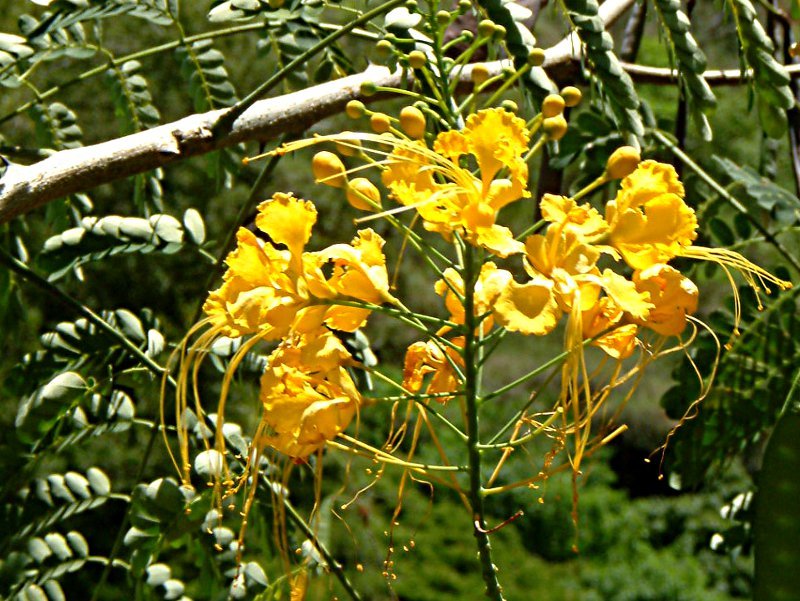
{"x": 572, "y": 96}
{"x": 328, "y": 169}
{"x": 649, "y": 221}
{"x": 622, "y": 162}
{"x": 626, "y": 296}
{"x": 552, "y": 106}
{"x": 380, "y": 123}
{"x": 363, "y": 195}
{"x": 491, "y": 281}
{"x": 583, "y": 220}
{"x": 412, "y": 122}
{"x": 555, "y": 128}
{"x": 425, "y": 358}
{"x": 673, "y": 295}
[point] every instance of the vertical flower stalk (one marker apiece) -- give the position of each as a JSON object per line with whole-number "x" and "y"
{"x": 472, "y": 369}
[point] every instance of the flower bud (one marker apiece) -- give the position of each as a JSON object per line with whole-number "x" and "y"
{"x": 536, "y": 57}
{"x": 380, "y": 123}
{"x": 350, "y": 148}
{"x": 328, "y": 169}
{"x": 368, "y": 88}
{"x": 383, "y": 49}
{"x": 622, "y": 162}
{"x": 412, "y": 121}
{"x": 479, "y": 74}
{"x": 443, "y": 17}
{"x": 499, "y": 32}
{"x": 510, "y": 106}
{"x": 555, "y": 127}
{"x": 275, "y": 4}
{"x": 572, "y": 96}
{"x": 355, "y": 109}
{"x": 358, "y": 189}
{"x": 417, "y": 59}
{"x": 486, "y": 28}
{"x": 464, "y": 5}
{"x": 552, "y": 105}
{"x": 466, "y": 35}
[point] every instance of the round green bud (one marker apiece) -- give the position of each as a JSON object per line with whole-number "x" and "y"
{"x": 355, "y": 109}
{"x": 486, "y": 28}
{"x": 368, "y": 88}
{"x": 536, "y": 57}
{"x": 499, "y": 32}
{"x": 443, "y": 17}
{"x": 275, "y": 4}
{"x": 417, "y": 59}
{"x": 510, "y": 106}
{"x": 412, "y": 5}
{"x": 552, "y": 105}
{"x": 380, "y": 123}
{"x": 555, "y": 127}
{"x": 479, "y": 74}
{"x": 466, "y": 35}
{"x": 383, "y": 49}
{"x": 464, "y": 5}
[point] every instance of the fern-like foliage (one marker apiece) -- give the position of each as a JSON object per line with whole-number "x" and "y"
{"x": 97, "y": 238}
{"x": 688, "y": 57}
{"x": 749, "y": 389}
{"x": 520, "y": 42}
{"x": 771, "y": 81}
{"x": 614, "y": 83}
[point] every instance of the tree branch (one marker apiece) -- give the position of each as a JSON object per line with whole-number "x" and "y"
{"x": 26, "y": 187}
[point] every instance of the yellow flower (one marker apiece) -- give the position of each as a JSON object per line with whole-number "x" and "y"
{"x": 307, "y": 395}
{"x": 448, "y": 197}
{"x": 649, "y": 221}
{"x": 582, "y": 220}
{"x": 529, "y": 308}
{"x": 491, "y": 281}
{"x": 257, "y": 291}
{"x": 426, "y": 358}
{"x": 673, "y": 295}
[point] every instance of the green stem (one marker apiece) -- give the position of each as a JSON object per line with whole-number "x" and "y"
{"x": 27, "y": 273}
{"x": 334, "y": 565}
{"x": 240, "y": 107}
{"x": 471, "y": 393}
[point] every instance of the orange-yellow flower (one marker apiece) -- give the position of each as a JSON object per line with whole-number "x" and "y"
{"x": 307, "y": 395}
{"x": 448, "y": 197}
{"x": 673, "y": 296}
{"x": 649, "y": 222}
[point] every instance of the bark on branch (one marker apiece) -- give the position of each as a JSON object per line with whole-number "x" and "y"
{"x": 26, "y": 187}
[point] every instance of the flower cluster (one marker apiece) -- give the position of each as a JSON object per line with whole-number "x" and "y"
{"x": 605, "y": 272}
{"x": 275, "y": 290}
{"x": 609, "y": 273}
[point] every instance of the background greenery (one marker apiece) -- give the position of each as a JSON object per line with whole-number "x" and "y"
{"x": 81, "y": 467}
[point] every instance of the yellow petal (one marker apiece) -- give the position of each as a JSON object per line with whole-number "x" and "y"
{"x": 287, "y": 220}
{"x": 625, "y": 295}
{"x": 673, "y": 295}
{"x": 528, "y": 308}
